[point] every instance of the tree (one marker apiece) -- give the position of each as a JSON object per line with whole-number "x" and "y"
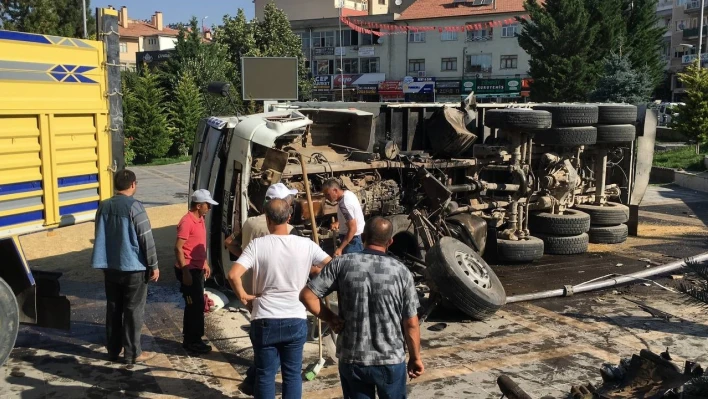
{"x": 559, "y": 38}
{"x": 145, "y": 117}
{"x": 238, "y": 37}
{"x": 186, "y": 109}
{"x": 692, "y": 118}
{"x": 48, "y": 17}
{"x": 644, "y": 38}
{"x": 621, "y": 83}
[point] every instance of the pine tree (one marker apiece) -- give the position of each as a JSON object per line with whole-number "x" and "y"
{"x": 130, "y": 111}
{"x": 237, "y": 36}
{"x": 146, "y": 122}
{"x": 621, "y": 83}
{"x": 644, "y": 38}
{"x": 559, "y": 37}
{"x": 186, "y": 109}
{"x": 692, "y": 118}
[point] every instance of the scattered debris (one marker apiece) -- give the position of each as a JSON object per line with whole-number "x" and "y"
{"x": 653, "y": 311}
{"x": 677, "y": 276}
{"x": 232, "y": 309}
{"x": 17, "y": 374}
{"x": 646, "y": 284}
{"x": 619, "y": 265}
{"x": 645, "y": 260}
{"x": 437, "y": 327}
{"x": 615, "y": 292}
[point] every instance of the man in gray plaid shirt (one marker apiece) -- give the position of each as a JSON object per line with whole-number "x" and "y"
{"x": 378, "y": 307}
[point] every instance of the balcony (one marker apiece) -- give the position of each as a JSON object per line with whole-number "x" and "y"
{"x": 693, "y": 33}
{"x": 693, "y": 6}
{"x": 689, "y": 58}
{"x": 664, "y": 7}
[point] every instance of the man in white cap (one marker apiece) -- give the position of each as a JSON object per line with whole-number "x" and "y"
{"x": 191, "y": 269}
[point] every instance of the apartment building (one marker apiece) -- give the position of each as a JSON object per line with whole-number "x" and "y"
{"x": 440, "y": 64}
{"x": 297, "y": 10}
{"x": 682, "y": 20}
{"x": 144, "y": 39}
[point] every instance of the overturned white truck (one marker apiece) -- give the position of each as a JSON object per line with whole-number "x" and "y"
{"x": 458, "y": 194}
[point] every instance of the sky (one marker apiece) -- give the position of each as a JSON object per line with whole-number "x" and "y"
{"x": 180, "y": 10}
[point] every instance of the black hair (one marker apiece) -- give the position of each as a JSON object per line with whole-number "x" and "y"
{"x": 378, "y": 231}
{"x": 123, "y": 179}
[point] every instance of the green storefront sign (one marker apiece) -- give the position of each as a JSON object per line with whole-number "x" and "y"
{"x": 489, "y": 87}
{"x": 468, "y": 86}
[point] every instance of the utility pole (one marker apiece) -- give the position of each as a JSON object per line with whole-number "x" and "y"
{"x": 341, "y": 52}
{"x": 203, "y": 24}
{"x": 700, "y": 34}
{"x": 85, "y": 30}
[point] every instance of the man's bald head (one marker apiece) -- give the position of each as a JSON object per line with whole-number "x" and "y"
{"x": 378, "y": 231}
{"x": 277, "y": 211}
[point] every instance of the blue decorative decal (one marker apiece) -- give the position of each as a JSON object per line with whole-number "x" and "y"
{"x": 9, "y": 220}
{"x": 78, "y": 208}
{"x": 23, "y": 37}
{"x": 77, "y": 180}
{"x": 15, "y": 188}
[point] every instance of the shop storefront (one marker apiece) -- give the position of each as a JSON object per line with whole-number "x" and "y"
{"x": 526, "y": 89}
{"x": 352, "y": 82}
{"x": 391, "y": 91}
{"x": 419, "y": 90}
{"x": 368, "y": 92}
{"x": 448, "y": 91}
{"x": 496, "y": 90}
{"x": 322, "y": 88}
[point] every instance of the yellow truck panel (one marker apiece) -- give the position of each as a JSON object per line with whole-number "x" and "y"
{"x": 55, "y": 155}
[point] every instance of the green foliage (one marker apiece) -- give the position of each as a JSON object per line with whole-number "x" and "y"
{"x": 186, "y": 109}
{"x": 692, "y": 118}
{"x": 621, "y": 83}
{"x": 145, "y": 117}
{"x": 559, "y": 38}
{"x": 49, "y": 17}
{"x": 644, "y": 38}
{"x": 681, "y": 158}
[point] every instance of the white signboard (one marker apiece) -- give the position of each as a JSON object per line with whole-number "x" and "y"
{"x": 340, "y": 51}
{"x": 366, "y": 51}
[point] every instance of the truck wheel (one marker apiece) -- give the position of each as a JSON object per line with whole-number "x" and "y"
{"x": 610, "y": 214}
{"x": 517, "y": 119}
{"x": 521, "y": 251}
{"x": 567, "y": 136}
{"x": 616, "y": 114}
{"x": 616, "y": 133}
{"x": 570, "y": 114}
{"x": 565, "y": 245}
{"x": 570, "y": 223}
{"x": 466, "y": 279}
{"x": 9, "y": 320}
{"x": 608, "y": 234}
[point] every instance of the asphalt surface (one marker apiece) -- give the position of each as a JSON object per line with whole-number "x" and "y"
{"x": 545, "y": 346}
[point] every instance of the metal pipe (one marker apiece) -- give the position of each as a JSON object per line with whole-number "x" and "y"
{"x": 514, "y": 217}
{"x": 576, "y": 289}
{"x": 461, "y": 188}
{"x": 479, "y": 207}
{"x": 86, "y": 29}
{"x": 700, "y": 37}
{"x": 600, "y": 175}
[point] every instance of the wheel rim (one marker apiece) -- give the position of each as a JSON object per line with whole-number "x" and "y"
{"x": 474, "y": 269}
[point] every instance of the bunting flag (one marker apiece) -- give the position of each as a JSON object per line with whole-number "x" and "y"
{"x": 367, "y": 27}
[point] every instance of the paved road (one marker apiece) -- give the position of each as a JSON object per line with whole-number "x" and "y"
{"x": 162, "y": 185}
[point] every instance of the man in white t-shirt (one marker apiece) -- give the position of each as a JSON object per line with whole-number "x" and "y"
{"x": 350, "y": 217}
{"x": 281, "y": 264}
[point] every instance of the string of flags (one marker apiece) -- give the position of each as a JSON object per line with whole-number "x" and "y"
{"x": 367, "y": 27}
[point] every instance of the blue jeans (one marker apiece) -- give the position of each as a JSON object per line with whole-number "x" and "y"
{"x": 364, "y": 382}
{"x": 278, "y": 343}
{"x": 354, "y": 246}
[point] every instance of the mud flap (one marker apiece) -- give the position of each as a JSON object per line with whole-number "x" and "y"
{"x": 646, "y": 137}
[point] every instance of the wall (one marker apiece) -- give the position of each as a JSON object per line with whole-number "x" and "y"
{"x": 167, "y": 43}
{"x": 300, "y": 9}
{"x": 133, "y": 47}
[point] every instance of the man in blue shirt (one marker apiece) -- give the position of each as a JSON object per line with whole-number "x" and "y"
{"x": 125, "y": 250}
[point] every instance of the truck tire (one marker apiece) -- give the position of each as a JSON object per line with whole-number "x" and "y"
{"x": 521, "y": 251}
{"x": 570, "y": 114}
{"x": 517, "y": 119}
{"x": 570, "y": 223}
{"x": 608, "y": 234}
{"x": 616, "y": 114}
{"x": 467, "y": 280}
{"x": 9, "y": 320}
{"x": 610, "y": 214}
{"x": 567, "y": 136}
{"x": 616, "y": 133}
{"x": 565, "y": 245}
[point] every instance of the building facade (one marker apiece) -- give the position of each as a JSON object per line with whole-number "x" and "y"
{"x": 143, "y": 36}
{"x": 682, "y": 20}
{"x": 297, "y": 10}
{"x": 439, "y": 58}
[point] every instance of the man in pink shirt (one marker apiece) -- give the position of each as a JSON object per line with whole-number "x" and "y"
{"x": 191, "y": 269}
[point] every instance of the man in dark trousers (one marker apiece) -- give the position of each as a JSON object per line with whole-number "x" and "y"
{"x": 125, "y": 250}
{"x": 192, "y": 268}
{"x": 350, "y": 217}
{"x": 378, "y": 305}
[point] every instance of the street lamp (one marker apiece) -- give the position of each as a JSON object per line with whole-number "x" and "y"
{"x": 203, "y": 23}
{"x": 341, "y": 81}
{"x": 84, "y": 18}
{"x": 341, "y": 52}
{"x": 700, "y": 34}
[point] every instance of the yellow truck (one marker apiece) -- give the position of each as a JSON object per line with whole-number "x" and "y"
{"x": 55, "y": 162}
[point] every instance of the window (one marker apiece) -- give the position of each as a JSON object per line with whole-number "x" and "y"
{"x": 416, "y": 65}
{"x": 124, "y": 47}
{"x": 509, "y": 62}
{"x": 680, "y": 25}
{"x": 152, "y": 41}
{"x": 479, "y": 63}
{"x": 351, "y": 65}
{"x": 449, "y": 64}
{"x": 329, "y": 39}
{"x": 448, "y": 36}
{"x": 510, "y": 30}
{"x": 481, "y": 34}
{"x": 369, "y": 65}
{"x": 304, "y": 39}
{"x": 369, "y": 39}
{"x": 324, "y": 67}
{"x": 416, "y": 37}
{"x": 349, "y": 38}
{"x": 323, "y": 39}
